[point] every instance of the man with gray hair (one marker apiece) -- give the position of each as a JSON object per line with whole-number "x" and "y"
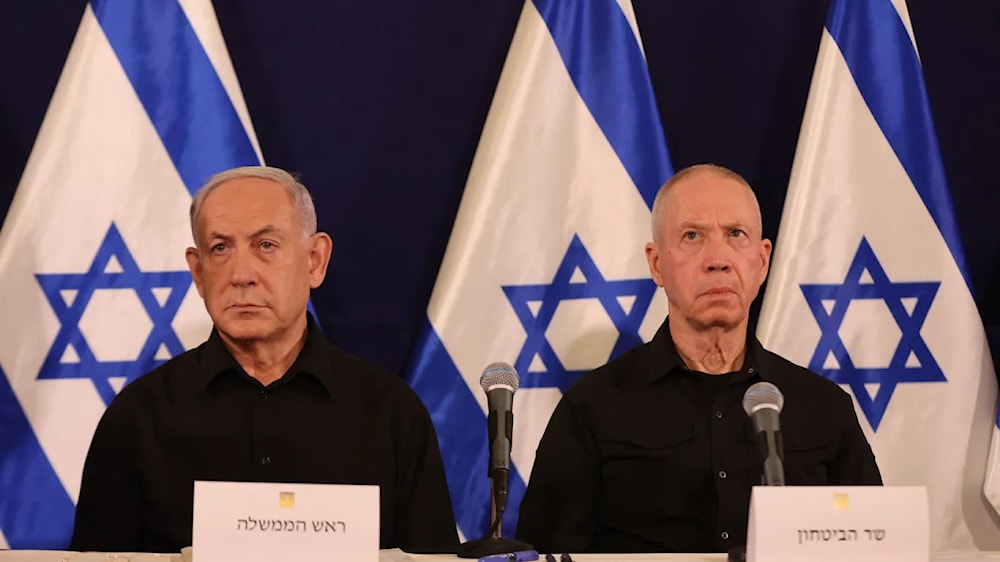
{"x": 653, "y": 451}
{"x": 266, "y": 398}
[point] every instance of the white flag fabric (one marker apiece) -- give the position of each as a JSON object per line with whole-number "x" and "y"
{"x": 96, "y": 288}
{"x": 545, "y": 267}
{"x": 991, "y": 485}
{"x": 869, "y": 286}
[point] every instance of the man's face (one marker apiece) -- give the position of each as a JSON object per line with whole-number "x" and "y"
{"x": 710, "y": 258}
{"x": 254, "y": 266}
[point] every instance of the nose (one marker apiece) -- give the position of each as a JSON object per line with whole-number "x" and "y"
{"x": 717, "y": 265}
{"x": 718, "y": 255}
{"x": 244, "y": 270}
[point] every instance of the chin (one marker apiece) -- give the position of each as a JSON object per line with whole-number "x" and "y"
{"x": 721, "y": 319}
{"x": 241, "y": 327}
{"x": 247, "y": 334}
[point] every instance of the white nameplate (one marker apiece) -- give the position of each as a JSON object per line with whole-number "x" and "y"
{"x": 837, "y": 523}
{"x": 263, "y": 522}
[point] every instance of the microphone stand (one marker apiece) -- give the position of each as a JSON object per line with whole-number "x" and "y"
{"x": 774, "y": 475}
{"x": 494, "y": 542}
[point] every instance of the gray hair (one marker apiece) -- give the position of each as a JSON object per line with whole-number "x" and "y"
{"x": 299, "y": 194}
{"x": 661, "y": 196}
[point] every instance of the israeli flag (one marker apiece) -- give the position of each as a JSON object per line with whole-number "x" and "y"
{"x": 869, "y": 284}
{"x": 96, "y": 289}
{"x": 545, "y": 266}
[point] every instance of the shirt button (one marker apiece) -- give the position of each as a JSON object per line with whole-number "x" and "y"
{"x": 265, "y": 460}
{"x": 718, "y": 414}
{"x": 751, "y": 370}
{"x": 263, "y": 393}
{"x": 722, "y": 474}
{"x": 724, "y": 535}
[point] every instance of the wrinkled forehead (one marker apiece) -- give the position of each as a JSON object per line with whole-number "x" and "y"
{"x": 710, "y": 197}
{"x": 246, "y": 203}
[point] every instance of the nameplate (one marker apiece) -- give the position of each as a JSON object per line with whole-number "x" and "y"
{"x": 264, "y": 522}
{"x": 829, "y": 523}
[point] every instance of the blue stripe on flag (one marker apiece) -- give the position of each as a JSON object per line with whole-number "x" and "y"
{"x": 462, "y": 436}
{"x": 880, "y": 54}
{"x": 607, "y": 66}
{"x": 177, "y": 85}
{"x": 30, "y": 490}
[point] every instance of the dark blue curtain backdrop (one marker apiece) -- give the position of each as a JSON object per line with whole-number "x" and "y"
{"x": 379, "y": 105}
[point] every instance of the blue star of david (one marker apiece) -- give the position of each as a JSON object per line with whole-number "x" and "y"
{"x": 561, "y": 289}
{"x": 910, "y": 344}
{"x": 84, "y": 285}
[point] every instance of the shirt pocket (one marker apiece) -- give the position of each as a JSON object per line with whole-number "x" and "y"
{"x": 807, "y": 461}
{"x": 643, "y": 442}
{"x": 640, "y": 468}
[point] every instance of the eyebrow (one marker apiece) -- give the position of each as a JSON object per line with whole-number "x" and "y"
{"x": 695, "y": 225}
{"x": 267, "y": 229}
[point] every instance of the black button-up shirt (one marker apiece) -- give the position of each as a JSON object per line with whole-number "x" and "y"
{"x": 330, "y": 419}
{"x": 645, "y": 455}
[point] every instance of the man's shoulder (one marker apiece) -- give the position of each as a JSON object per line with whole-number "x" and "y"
{"x": 790, "y": 377}
{"x": 380, "y": 394}
{"x": 810, "y": 398}
{"x": 354, "y": 368}
{"x": 180, "y": 365}
{"x": 621, "y": 371}
{"x": 158, "y": 383}
{"x": 367, "y": 377}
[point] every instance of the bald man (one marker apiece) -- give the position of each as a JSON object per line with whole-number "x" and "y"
{"x": 653, "y": 452}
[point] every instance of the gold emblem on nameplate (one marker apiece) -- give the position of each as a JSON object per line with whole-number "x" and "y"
{"x": 840, "y": 502}
{"x": 286, "y": 499}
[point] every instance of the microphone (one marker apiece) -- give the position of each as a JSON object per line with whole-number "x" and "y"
{"x": 763, "y": 402}
{"x": 500, "y": 381}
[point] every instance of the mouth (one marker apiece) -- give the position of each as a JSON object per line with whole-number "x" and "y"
{"x": 718, "y": 291}
{"x": 244, "y": 306}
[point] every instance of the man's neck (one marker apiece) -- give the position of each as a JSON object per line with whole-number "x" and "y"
{"x": 715, "y": 350}
{"x": 267, "y": 361}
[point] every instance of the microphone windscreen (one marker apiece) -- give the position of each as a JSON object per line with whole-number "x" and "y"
{"x": 499, "y": 374}
{"x": 762, "y": 395}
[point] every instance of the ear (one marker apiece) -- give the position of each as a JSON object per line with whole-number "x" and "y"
{"x": 765, "y": 258}
{"x": 194, "y": 264}
{"x": 320, "y": 246}
{"x": 653, "y": 260}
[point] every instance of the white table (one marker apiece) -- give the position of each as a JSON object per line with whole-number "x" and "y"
{"x": 398, "y": 556}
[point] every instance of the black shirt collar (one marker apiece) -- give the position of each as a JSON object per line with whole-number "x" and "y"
{"x": 314, "y": 359}
{"x": 664, "y": 358}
